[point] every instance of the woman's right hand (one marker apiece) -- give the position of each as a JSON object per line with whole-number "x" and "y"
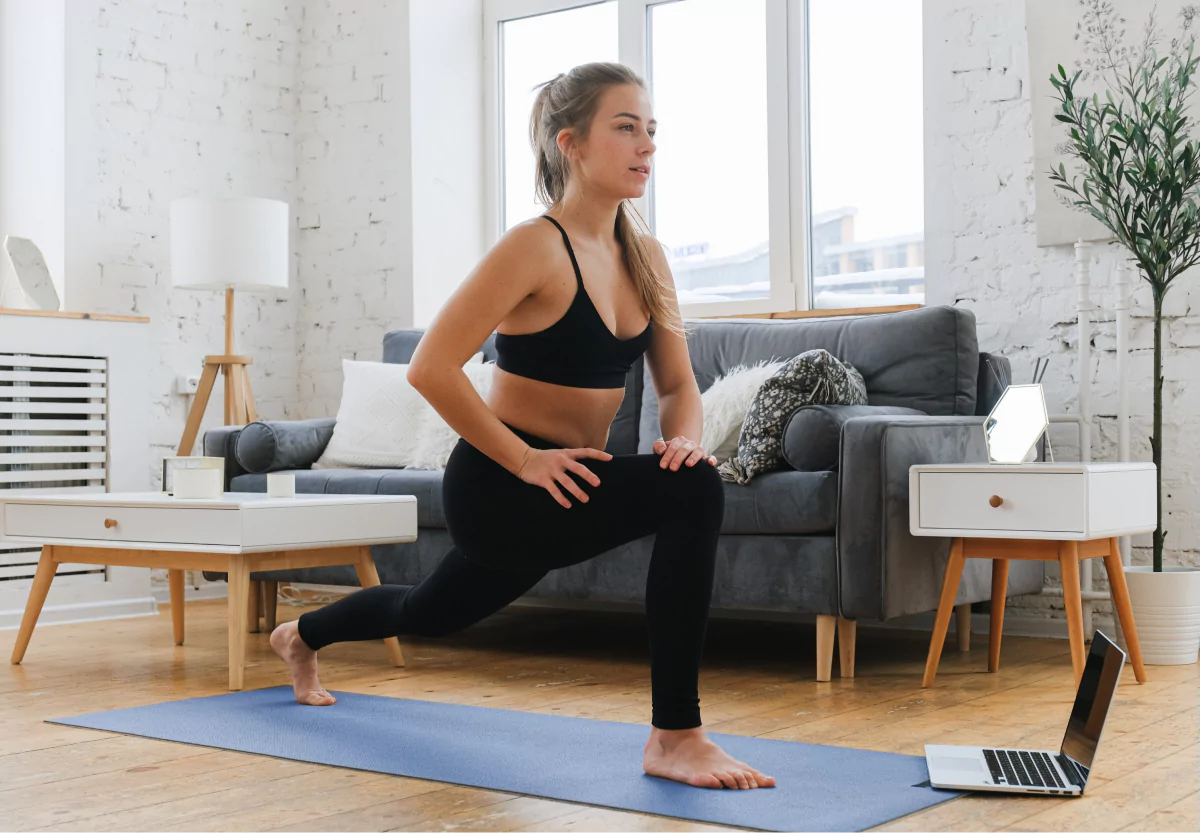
{"x": 549, "y": 467}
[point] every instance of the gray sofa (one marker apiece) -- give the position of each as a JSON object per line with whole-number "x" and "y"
{"x": 834, "y": 542}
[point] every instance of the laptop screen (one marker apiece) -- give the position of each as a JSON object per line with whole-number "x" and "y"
{"x": 1098, "y": 683}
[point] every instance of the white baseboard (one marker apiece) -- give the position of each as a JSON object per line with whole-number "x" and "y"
{"x": 66, "y": 614}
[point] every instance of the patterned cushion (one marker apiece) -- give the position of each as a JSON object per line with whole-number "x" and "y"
{"x": 813, "y": 378}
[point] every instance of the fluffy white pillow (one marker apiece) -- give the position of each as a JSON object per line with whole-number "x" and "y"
{"x": 382, "y": 419}
{"x": 725, "y": 403}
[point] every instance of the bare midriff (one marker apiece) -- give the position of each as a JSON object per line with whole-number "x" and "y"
{"x": 569, "y": 416}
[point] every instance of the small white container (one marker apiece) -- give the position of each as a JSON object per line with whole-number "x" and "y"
{"x": 197, "y": 483}
{"x": 281, "y": 484}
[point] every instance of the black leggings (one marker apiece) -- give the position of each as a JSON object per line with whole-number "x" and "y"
{"x": 508, "y": 534}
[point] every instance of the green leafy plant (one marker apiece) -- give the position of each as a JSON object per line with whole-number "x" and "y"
{"x": 1139, "y": 180}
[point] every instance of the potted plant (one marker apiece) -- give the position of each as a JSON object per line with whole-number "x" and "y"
{"x": 1138, "y": 178}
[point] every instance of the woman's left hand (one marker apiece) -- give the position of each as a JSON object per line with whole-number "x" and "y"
{"x": 681, "y": 450}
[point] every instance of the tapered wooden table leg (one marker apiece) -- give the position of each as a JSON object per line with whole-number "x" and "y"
{"x": 1121, "y": 604}
{"x": 42, "y": 579}
{"x": 369, "y": 577}
{"x": 1069, "y": 568}
{"x": 946, "y": 604}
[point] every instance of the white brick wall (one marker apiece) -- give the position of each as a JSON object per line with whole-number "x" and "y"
{"x": 354, "y": 189}
{"x": 981, "y": 254}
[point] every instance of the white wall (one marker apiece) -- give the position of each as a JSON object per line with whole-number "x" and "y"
{"x": 981, "y": 254}
{"x": 32, "y": 131}
{"x": 448, "y": 173}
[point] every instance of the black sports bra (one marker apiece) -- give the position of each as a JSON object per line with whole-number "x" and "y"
{"x": 578, "y": 350}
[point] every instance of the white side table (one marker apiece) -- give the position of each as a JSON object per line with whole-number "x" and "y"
{"x": 1034, "y": 511}
{"x": 239, "y": 533}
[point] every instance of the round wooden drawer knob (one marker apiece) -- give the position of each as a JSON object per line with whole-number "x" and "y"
{"x": 995, "y": 501}
{"x": 109, "y": 523}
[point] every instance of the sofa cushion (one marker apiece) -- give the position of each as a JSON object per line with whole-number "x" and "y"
{"x": 778, "y": 502}
{"x": 813, "y": 432}
{"x": 925, "y": 358}
{"x": 782, "y": 502}
{"x": 285, "y": 444}
{"x": 399, "y": 346}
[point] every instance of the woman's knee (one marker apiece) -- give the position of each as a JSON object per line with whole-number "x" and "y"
{"x": 698, "y": 485}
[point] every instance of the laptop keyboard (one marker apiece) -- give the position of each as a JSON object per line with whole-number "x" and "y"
{"x": 1028, "y": 769}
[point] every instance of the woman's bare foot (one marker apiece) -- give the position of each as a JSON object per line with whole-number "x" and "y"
{"x": 302, "y": 662}
{"x": 687, "y": 755}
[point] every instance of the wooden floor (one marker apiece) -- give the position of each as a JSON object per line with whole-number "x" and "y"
{"x": 757, "y": 680}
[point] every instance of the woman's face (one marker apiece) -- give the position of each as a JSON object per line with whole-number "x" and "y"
{"x": 620, "y": 141}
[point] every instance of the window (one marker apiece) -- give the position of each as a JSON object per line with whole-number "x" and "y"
{"x": 788, "y": 174}
{"x": 865, "y": 151}
{"x": 710, "y": 169}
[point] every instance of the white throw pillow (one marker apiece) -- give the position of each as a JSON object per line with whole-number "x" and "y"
{"x": 725, "y": 404}
{"x": 381, "y": 417}
{"x": 437, "y": 438}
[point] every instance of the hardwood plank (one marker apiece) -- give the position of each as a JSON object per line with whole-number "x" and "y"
{"x": 423, "y": 811}
{"x": 1180, "y": 816}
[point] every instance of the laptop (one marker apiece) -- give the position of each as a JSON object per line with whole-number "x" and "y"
{"x": 1035, "y": 770}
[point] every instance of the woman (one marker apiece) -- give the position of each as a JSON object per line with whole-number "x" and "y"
{"x": 564, "y": 349}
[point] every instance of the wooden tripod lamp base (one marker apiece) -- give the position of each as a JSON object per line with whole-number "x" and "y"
{"x": 239, "y": 400}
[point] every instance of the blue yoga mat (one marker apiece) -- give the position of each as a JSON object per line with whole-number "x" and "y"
{"x": 596, "y": 762}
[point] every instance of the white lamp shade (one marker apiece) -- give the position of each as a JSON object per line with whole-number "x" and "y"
{"x": 224, "y": 242}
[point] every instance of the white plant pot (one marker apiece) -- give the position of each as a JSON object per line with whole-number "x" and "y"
{"x": 1167, "y": 613}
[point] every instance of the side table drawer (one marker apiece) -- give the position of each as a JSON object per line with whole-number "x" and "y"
{"x": 133, "y": 523}
{"x": 1029, "y": 502}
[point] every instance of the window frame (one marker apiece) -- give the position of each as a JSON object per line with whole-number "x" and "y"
{"x": 787, "y": 129}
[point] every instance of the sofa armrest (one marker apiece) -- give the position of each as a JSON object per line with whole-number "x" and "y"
{"x": 280, "y": 445}
{"x": 813, "y": 433}
{"x": 220, "y": 442}
{"x": 884, "y": 572}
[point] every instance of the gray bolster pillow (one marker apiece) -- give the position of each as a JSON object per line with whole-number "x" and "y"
{"x": 813, "y": 432}
{"x": 282, "y": 445}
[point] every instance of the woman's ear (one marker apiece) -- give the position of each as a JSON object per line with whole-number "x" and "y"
{"x": 567, "y": 145}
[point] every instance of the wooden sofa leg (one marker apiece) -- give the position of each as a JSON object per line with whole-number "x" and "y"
{"x": 825, "y": 647}
{"x": 846, "y": 647}
{"x": 270, "y": 599}
{"x": 254, "y": 606}
{"x": 963, "y": 626}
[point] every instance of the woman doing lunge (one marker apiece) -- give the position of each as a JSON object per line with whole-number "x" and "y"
{"x": 527, "y": 488}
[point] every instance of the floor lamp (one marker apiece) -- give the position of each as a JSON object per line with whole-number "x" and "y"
{"x": 227, "y": 244}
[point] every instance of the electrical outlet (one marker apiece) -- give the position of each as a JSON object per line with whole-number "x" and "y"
{"x": 187, "y": 385}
